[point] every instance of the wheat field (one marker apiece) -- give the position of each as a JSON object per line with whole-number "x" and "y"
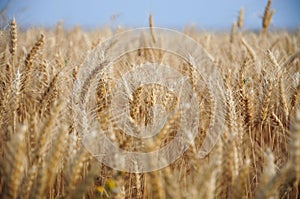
{"x": 256, "y": 156}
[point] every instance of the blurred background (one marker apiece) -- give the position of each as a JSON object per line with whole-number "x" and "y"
{"x": 204, "y": 14}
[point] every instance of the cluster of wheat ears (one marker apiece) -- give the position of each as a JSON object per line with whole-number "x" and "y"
{"x": 257, "y": 155}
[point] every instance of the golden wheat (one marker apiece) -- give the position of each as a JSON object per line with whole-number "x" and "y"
{"x": 41, "y": 154}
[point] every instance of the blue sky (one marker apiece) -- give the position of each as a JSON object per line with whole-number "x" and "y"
{"x": 205, "y": 14}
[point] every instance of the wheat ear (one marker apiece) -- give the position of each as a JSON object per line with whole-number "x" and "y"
{"x": 240, "y": 188}
{"x": 245, "y": 100}
{"x": 13, "y": 165}
{"x": 47, "y": 173}
{"x": 291, "y": 59}
{"x": 269, "y": 171}
{"x": 151, "y": 27}
{"x": 13, "y": 37}
{"x": 267, "y": 17}
{"x": 29, "y": 61}
{"x": 266, "y": 104}
{"x": 85, "y": 184}
{"x": 240, "y": 21}
{"x": 250, "y": 50}
{"x": 283, "y": 101}
{"x": 294, "y": 148}
{"x": 233, "y": 32}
